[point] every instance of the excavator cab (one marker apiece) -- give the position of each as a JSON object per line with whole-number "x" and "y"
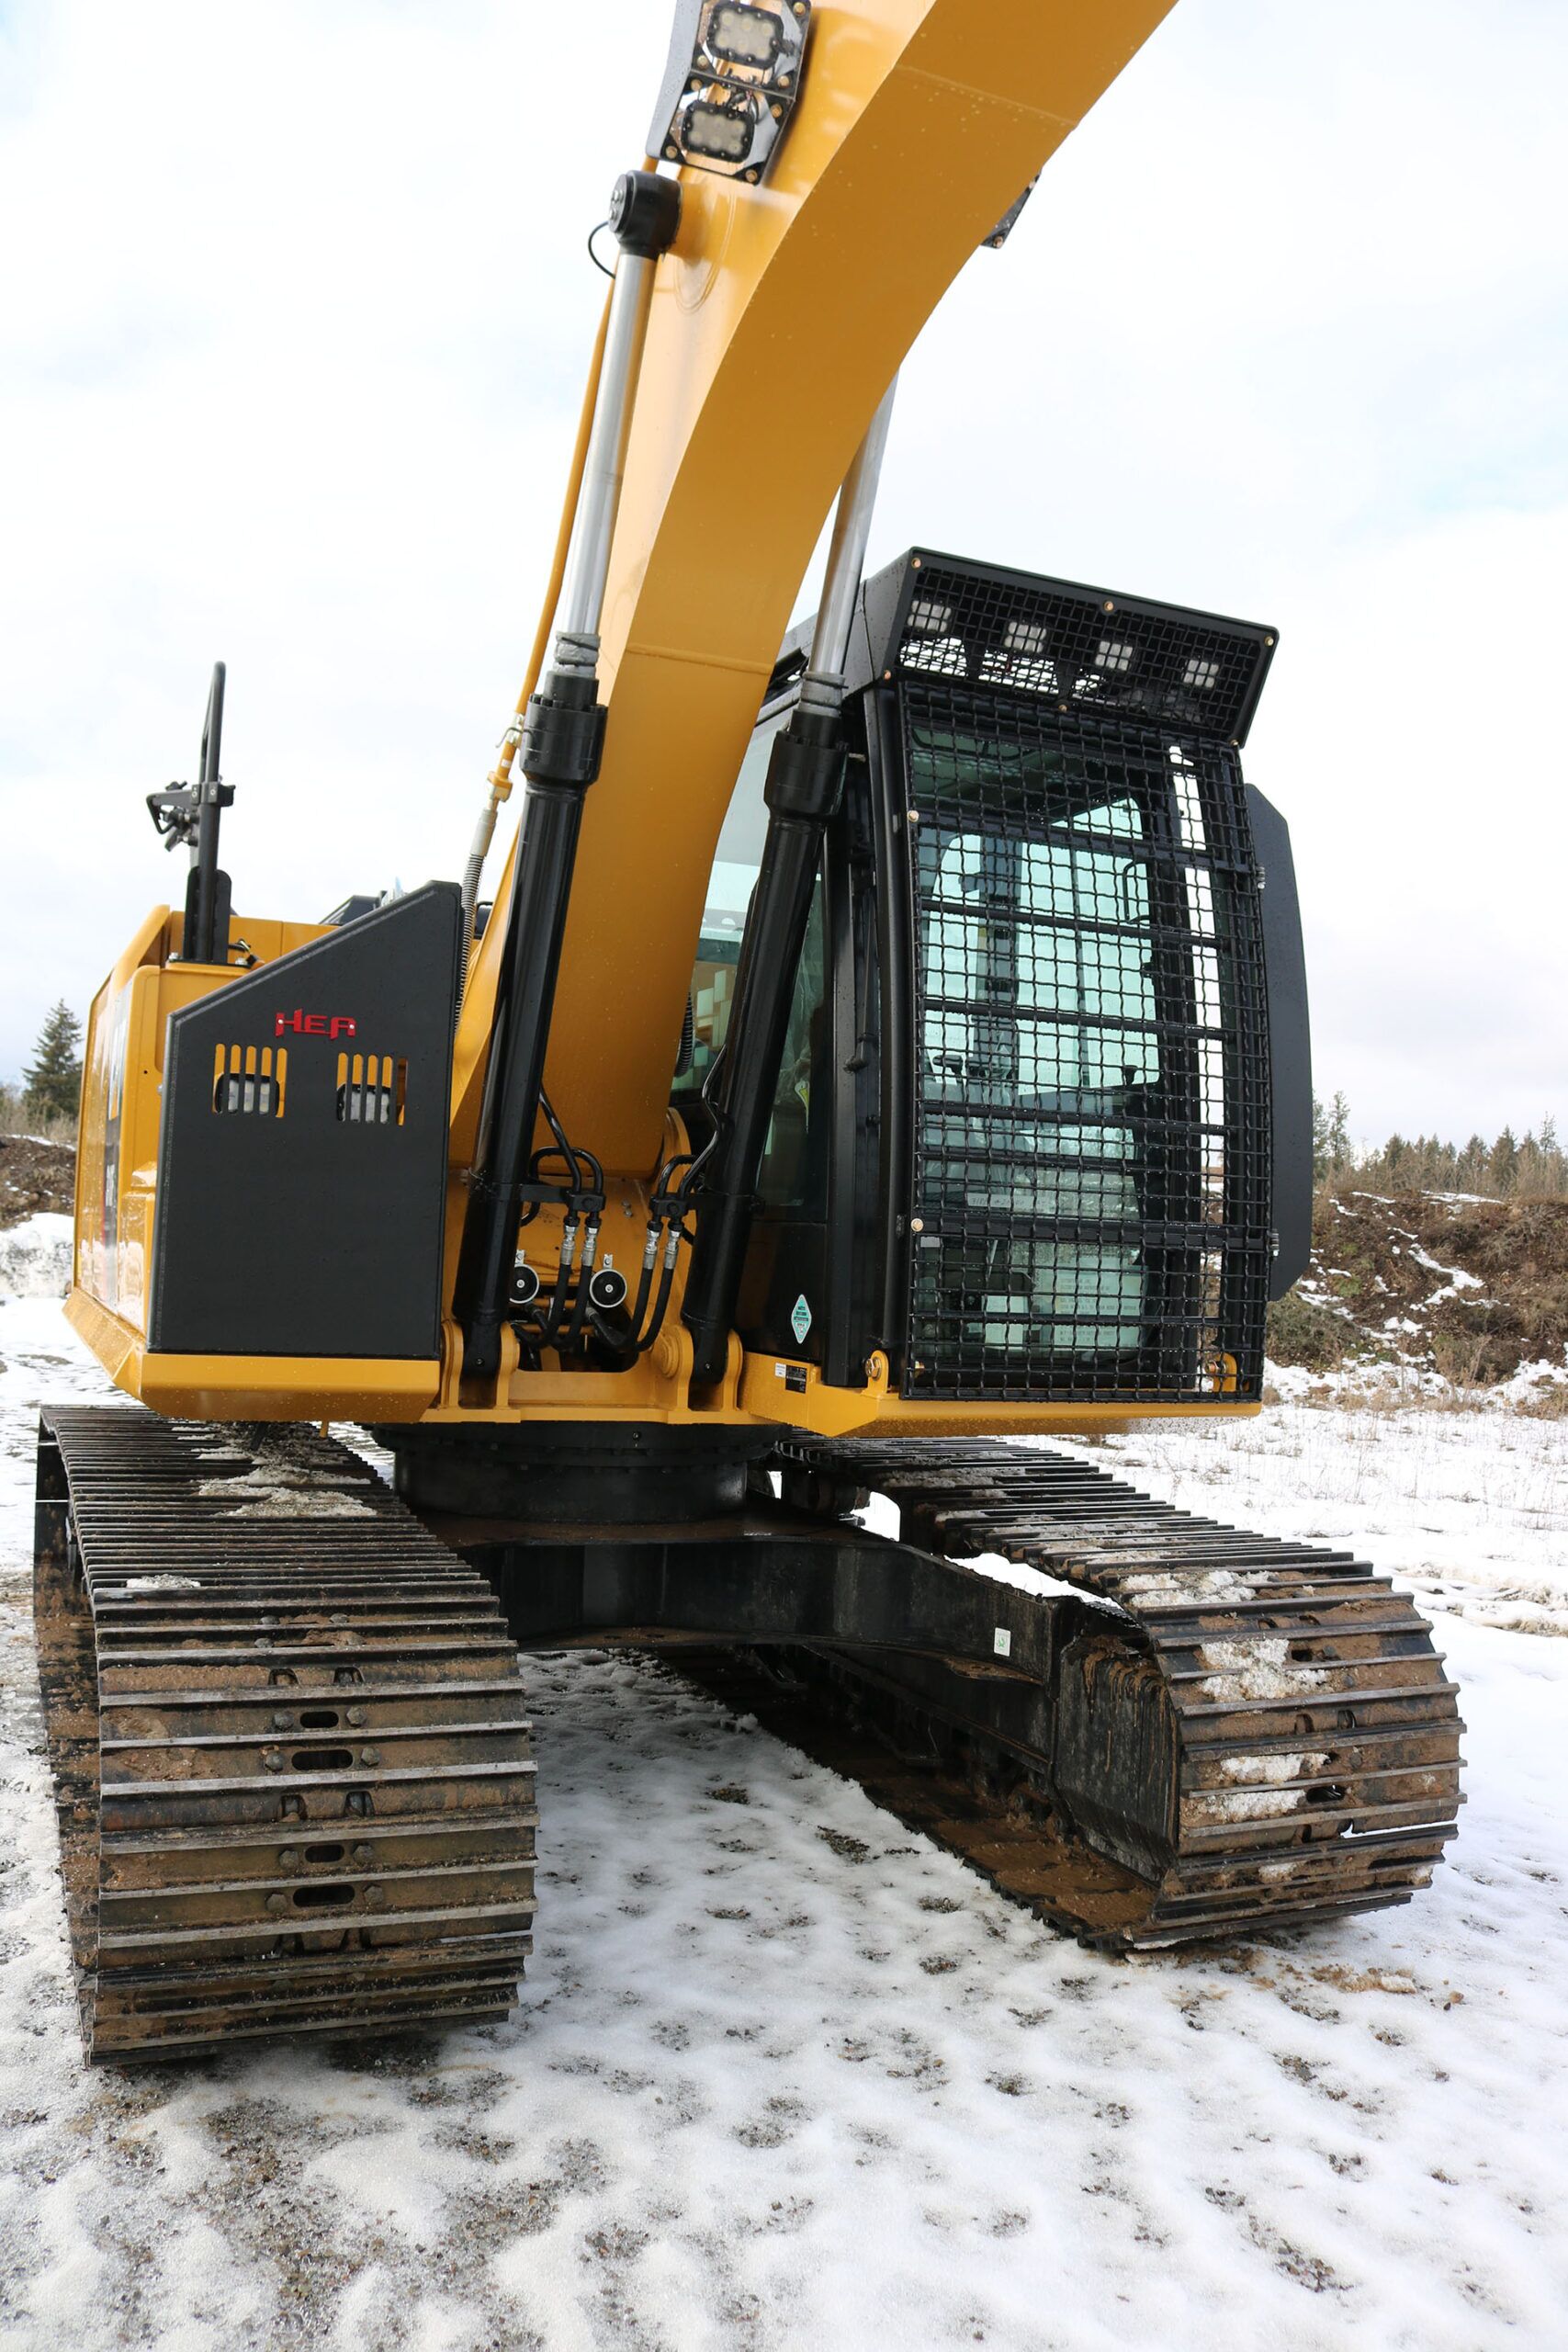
{"x": 1039, "y": 1119}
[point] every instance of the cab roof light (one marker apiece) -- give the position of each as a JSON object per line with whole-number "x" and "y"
{"x": 730, "y": 85}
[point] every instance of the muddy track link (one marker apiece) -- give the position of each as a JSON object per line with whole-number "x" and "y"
{"x": 1244, "y": 1733}
{"x": 292, "y": 1765}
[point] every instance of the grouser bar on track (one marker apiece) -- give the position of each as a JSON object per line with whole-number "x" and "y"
{"x": 294, "y": 1780}
{"x": 1245, "y": 1734}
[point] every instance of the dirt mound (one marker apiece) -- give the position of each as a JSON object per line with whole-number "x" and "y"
{"x": 34, "y": 1176}
{"x": 1473, "y": 1290}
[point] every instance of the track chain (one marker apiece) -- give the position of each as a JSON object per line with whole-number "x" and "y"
{"x": 292, "y": 1764}
{"x": 1250, "y": 1733}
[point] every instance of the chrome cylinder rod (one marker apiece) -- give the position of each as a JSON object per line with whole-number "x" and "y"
{"x": 588, "y": 564}
{"x": 563, "y": 736}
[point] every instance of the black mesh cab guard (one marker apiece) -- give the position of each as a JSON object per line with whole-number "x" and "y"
{"x": 1088, "y": 1184}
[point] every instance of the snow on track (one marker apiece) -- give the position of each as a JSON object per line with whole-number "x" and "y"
{"x": 785, "y": 2076}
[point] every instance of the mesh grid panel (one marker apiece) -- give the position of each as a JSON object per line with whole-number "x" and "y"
{"x": 1090, "y": 1166}
{"x": 1154, "y": 664}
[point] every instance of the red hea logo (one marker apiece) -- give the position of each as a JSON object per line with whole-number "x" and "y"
{"x": 313, "y": 1024}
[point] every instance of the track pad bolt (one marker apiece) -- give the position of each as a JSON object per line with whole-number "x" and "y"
{"x": 281, "y": 1721}
{"x": 355, "y": 1715}
{"x": 363, "y": 1854}
{"x": 278, "y": 1903}
{"x": 375, "y": 1897}
{"x": 272, "y": 1759}
{"x": 370, "y": 1755}
{"x": 287, "y": 1858}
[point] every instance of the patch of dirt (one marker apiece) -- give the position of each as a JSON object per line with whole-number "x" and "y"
{"x": 1468, "y": 1288}
{"x": 35, "y": 1176}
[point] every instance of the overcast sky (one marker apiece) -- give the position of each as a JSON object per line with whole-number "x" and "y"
{"x": 293, "y": 316}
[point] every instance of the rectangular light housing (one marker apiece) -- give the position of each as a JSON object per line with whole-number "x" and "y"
{"x": 731, "y": 85}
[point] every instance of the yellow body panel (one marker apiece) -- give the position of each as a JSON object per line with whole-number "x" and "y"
{"x": 117, "y": 1154}
{"x": 254, "y": 1388}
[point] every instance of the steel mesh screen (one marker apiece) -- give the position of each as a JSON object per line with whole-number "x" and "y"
{"x": 1151, "y": 664}
{"x": 1090, "y": 1198}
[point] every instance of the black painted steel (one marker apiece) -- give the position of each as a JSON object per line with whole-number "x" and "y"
{"x": 560, "y": 1474}
{"x": 767, "y": 1576}
{"x": 805, "y": 779}
{"x": 188, "y": 815}
{"x": 560, "y": 761}
{"x": 207, "y": 893}
{"x": 1087, "y": 1208}
{"x": 302, "y": 1150}
{"x": 1290, "y": 1044}
{"x": 1076, "y": 647}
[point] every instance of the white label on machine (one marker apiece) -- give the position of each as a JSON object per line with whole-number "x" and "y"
{"x": 800, "y": 1320}
{"x": 1004, "y": 1642}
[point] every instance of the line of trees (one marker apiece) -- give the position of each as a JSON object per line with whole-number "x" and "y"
{"x": 1533, "y": 1166}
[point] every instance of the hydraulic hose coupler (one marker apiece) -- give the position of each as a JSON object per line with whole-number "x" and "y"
{"x": 645, "y": 214}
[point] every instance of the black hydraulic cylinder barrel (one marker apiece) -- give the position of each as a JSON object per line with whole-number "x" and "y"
{"x": 805, "y": 778}
{"x": 561, "y": 747}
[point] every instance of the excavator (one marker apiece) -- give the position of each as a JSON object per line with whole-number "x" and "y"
{"x": 883, "y": 1055}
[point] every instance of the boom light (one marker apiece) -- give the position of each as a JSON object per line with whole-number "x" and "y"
{"x": 730, "y": 85}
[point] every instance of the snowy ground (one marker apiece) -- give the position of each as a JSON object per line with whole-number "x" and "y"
{"x": 784, "y": 2076}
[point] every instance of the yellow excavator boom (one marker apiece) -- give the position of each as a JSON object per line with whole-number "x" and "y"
{"x": 778, "y": 322}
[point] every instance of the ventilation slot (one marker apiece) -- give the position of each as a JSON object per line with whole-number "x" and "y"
{"x": 372, "y": 1090}
{"x": 250, "y": 1079}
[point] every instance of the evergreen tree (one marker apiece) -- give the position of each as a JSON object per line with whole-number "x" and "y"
{"x": 1471, "y": 1171}
{"x": 1338, "y": 1134}
{"x": 1319, "y": 1141}
{"x": 1503, "y": 1164}
{"x": 53, "y": 1077}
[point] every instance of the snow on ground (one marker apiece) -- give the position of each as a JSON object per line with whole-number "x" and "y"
{"x": 784, "y": 2076}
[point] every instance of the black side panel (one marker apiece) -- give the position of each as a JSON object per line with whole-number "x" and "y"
{"x": 1290, "y": 1043}
{"x": 302, "y": 1154}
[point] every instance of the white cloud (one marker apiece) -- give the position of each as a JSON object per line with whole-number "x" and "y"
{"x": 293, "y": 309}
